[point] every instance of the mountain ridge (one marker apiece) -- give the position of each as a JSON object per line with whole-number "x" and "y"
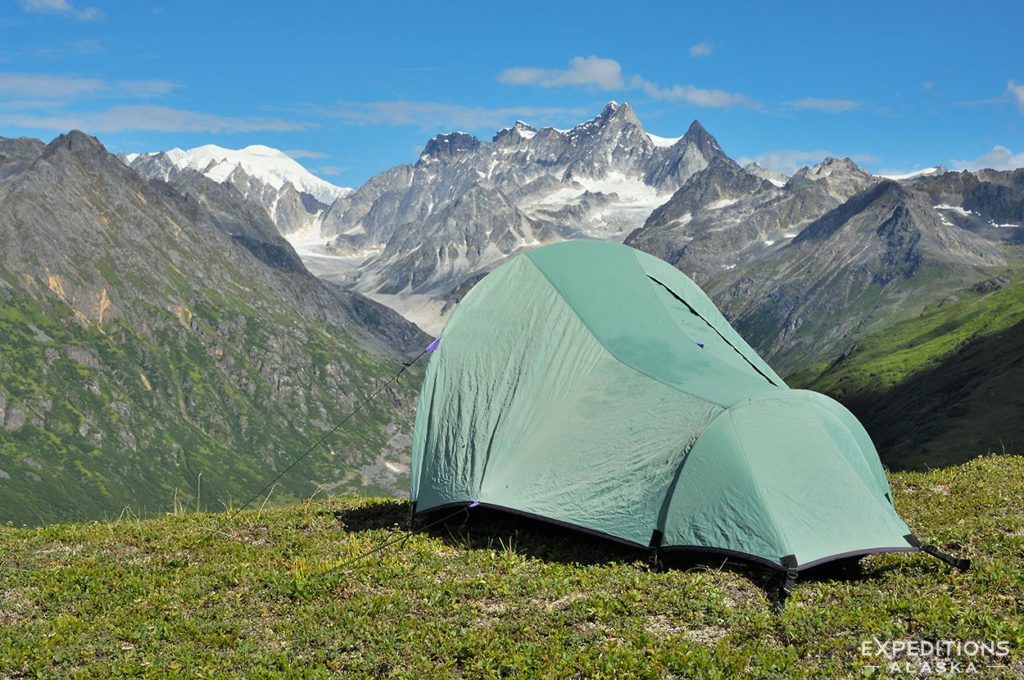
{"x": 152, "y": 338}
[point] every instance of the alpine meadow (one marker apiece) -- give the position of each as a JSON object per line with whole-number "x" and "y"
{"x": 448, "y": 340}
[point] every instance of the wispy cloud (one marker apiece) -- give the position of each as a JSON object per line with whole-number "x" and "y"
{"x": 149, "y": 118}
{"x": 61, "y": 8}
{"x": 999, "y": 158}
{"x": 594, "y": 72}
{"x": 606, "y": 74}
{"x": 825, "y": 104}
{"x": 306, "y": 153}
{"x": 1016, "y": 91}
{"x": 788, "y": 161}
{"x": 717, "y": 99}
{"x": 47, "y": 86}
{"x": 437, "y": 115}
{"x": 701, "y": 50}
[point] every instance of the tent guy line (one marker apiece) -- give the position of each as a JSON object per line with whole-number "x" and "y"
{"x": 312, "y": 447}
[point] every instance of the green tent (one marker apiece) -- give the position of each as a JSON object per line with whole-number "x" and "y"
{"x": 596, "y": 386}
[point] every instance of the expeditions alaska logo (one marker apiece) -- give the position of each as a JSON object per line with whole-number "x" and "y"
{"x": 934, "y": 657}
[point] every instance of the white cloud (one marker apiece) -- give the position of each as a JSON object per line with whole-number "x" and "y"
{"x": 148, "y": 118}
{"x": 47, "y": 86}
{"x": 306, "y": 153}
{"x": 718, "y": 99}
{"x": 1016, "y": 90}
{"x": 999, "y": 158}
{"x": 606, "y": 74}
{"x": 788, "y": 161}
{"x": 62, "y": 8}
{"x": 437, "y": 115}
{"x": 701, "y": 50}
{"x": 825, "y": 104}
{"x": 595, "y": 72}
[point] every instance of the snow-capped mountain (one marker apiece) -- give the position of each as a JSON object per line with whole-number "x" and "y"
{"x": 271, "y": 166}
{"x": 292, "y": 196}
{"x": 467, "y": 204}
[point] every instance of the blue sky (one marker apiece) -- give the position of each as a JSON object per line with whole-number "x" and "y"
{"x": 353, "y": 88}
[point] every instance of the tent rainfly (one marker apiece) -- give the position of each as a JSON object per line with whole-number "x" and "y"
{"x": 593, "y": 385}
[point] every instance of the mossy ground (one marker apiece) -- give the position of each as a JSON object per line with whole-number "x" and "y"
{"x": 491, "y": 598}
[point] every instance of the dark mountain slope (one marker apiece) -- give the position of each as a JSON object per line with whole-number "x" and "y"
{"x": 941, "y": 388}
{"x": 871, "y": 261}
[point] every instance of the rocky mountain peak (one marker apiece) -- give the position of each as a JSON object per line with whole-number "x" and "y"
{"x": 616, "y": 111}
{"x": 613, "y": 117}
{"x": 700, "y": 138}
{"x": 831, "y": 165}
{"x": 76, "y": 142}
{"x": 889, "y": 189}
{"x": 449, "y": 145}
{"x": 517, "y": 133}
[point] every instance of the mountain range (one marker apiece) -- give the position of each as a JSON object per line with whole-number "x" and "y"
{"x": 164, "y": 340}
{"x": 834, "y": 253}
{"x": 416, "y": 237}
{"x": 162, "y": 344}
{"x": 810, "y": 268}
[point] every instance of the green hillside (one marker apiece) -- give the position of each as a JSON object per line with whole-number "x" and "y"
{"x": 493, "y": 597}
{"x": 942, "y": 387}
{"x": 99, "y": 418}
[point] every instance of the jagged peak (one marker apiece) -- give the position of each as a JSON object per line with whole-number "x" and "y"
{"x": 828, "y": 166}
{"x": 613, "y": 112}
{"x": 75, "y": 141}
{"x": 831, "y": 164}
{"x": 520, "y": 130}
{"x": 697, "y": 135}
{"x": 623, "y": 111}
{"x": 697, "y": 129}
{"x": 447, "y": 145}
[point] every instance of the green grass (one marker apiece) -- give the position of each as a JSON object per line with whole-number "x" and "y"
{"x": 493, "y": 598}
{"x": 883, "y": 360}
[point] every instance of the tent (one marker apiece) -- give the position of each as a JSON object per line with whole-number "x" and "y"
{"x": 595, "y": 386}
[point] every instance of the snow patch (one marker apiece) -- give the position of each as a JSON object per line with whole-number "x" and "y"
{"x": 722, "y": 203}
{"x": 914, "y": 173}
{"x": 954, "y": 208}
{"x": 663, "y": 142}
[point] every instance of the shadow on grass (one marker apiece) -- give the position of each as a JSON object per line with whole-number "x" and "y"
{"x": 488, "y": 529}
{"x": 373, "y": 517}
